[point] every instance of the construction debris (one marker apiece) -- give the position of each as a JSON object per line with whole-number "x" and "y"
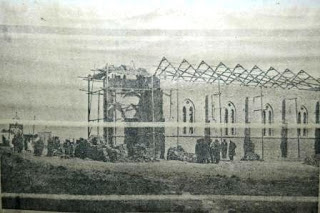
{"x": 178, "y": 153}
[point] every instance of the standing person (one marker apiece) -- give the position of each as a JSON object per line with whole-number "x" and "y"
{"x": 206, "y": 149}
{"x": 30, "y": 145}
{"x": 72, "y": 147}
{"x": 215, "y": 149}
{"x": 11, "y": 142}
{"x": 198, "y": 150}
{"x": 232, "y": 150}
{"x": 50, "y": 147}
{"x": 38, "y": 146}
{"x": 18, "y": 142}
{"x": 67, "y": 147}
{"x": 224, "y": 148}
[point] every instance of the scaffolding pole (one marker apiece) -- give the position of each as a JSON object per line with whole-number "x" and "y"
{"x": 170, "y": 104}
{"x": 178, "y": 129}
{"x": 220, "y": 108}
{"x": 115, "y": 118}
{"x": 296, "y": 106}
{"x": 262, "y": 131}
{"x": 105, "y": 103}
{"x": 89, "y": 105}
{"x": 298, "y": 133}
{"x": 98, "y": 128}
{"x": 152, "y": 100}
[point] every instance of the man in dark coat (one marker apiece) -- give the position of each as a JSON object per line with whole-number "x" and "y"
{"x": 224, "y": 148}
{"x": 232, "y": 150}
{"x": 203, "y": 150}
{"x": 50, "y": 147}
{"x": 18, "y": 142}
{"x": 206, "y": 149}
{"x": 67, "y": 148}
{"x": 38, "y": 146}
{"x": 215, "y": 151}
{"x": 198, "y": 151}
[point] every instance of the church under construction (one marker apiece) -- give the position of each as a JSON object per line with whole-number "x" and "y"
{"x": 277, "y": 111}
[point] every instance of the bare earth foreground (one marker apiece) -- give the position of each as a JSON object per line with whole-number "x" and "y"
{"x": 24, "y": 173}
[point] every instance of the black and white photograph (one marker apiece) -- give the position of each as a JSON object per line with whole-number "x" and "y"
{"x": 159, "y": 106}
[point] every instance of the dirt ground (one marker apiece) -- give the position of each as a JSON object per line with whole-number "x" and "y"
{"x": 24, "y": 173}
{"x": 27, "y": 173}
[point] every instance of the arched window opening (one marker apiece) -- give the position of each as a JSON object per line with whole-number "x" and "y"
{"x": 283, "y": 111}
{"x": 299, "y": 122}
{"x": 233, "y": 120}
{"x": 206, "y": 109}
{"x": 184, "y": 119}
{"x": 191, "y": 116}
{"x": 270, "y": 120}
{"x": 230, "y": 117}
{"x": 188, "y": 116}
{"x": 305, "y": 120}
{"x": 267, "y": 118}
{"x": 302, "y": 118}
{"x": 264, "y": 122}
{"x": 226, "y": 120}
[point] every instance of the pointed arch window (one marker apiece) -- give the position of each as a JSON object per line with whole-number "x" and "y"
{"x": 188, "y": 116}
{"x": 206, "y": 103}
{"x": 226, "y": 120}
{"x": 264, "y": 122}
{"x": 230, "y": 117}
{"x": 191, "y": 118}
{"x": 302, "y": 118}
{"x": 267, "y": 118}
{"x": 184, "y": 118}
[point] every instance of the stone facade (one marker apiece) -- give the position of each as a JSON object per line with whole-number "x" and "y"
{"x": 199, "y": 103}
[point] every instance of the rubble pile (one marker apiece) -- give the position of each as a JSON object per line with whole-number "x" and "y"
{"x": 96, "y": 149}
{"x": 313, "y": 160}
{"x": 250, "y": 156}
{"x": 178, "y": 153}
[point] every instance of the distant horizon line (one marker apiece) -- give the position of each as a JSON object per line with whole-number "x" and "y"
{"x": 46, "y": 29}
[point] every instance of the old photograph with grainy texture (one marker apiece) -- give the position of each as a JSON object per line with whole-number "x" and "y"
{"x": 159, "y": 106}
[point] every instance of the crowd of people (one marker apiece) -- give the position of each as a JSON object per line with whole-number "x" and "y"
{"x": 36, "y": 145}
{"x": 93, "y": 148}
{"x": 208, "y": 151}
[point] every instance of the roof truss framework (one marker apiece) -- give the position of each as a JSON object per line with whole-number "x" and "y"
{"x": 255, "y": 77}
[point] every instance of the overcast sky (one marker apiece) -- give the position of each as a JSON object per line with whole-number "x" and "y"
{"x": 46, "y": 45}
